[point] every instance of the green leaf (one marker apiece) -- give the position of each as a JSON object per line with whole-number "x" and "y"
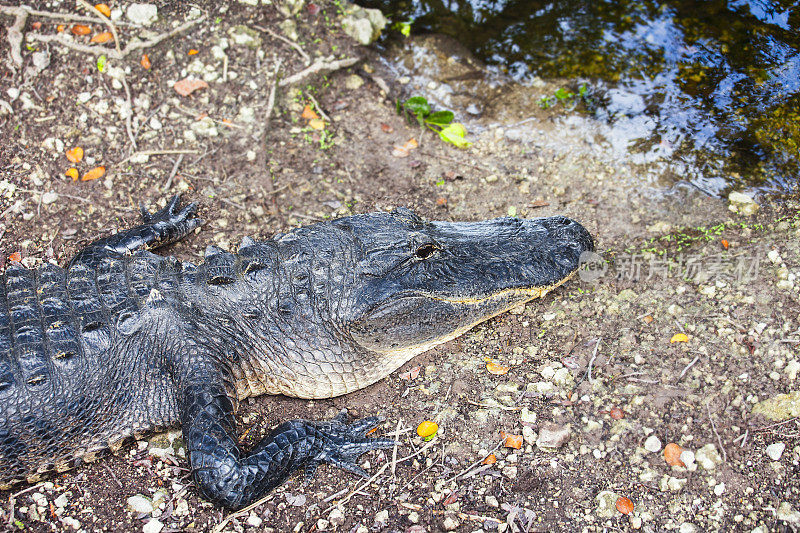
{"x": 441, "y": 118}
{"x": 512, "y": 211}
{"x": 454, "y": 134}
{"x": 101, "y": 63}
{"x": 582, "y": 90}
{"x": 405, "y": 28}
{"x": 563, "y": 94}
{"x": 418, "y": 105}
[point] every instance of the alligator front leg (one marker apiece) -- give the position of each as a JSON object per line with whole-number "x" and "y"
{"x": 160, "y": 228}
{"x": 228, "y": 476}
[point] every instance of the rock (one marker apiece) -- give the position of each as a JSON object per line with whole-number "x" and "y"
{"x": 290, "y": 8}
{"x": 289, "y": 29}
{"x": 792, "y": 369}
{"x": 687, "y": 527}
{"x": 775, "y": 451}
{"x": 491, "y": 501}
{"x": 742, "y": 203}
{"x": 62, "y": 500}
{"x": 140, "y": 504}
{"x": 249, "y": 2}
{"x": 144, "y": 14}
{"x": 205, "y": 127}
{"x": 787, "y": 513}
{"x": 353, "y": 82}
{"x": 491, "y": 178}
{"x": 553, "y": 436}
{"x": 381, "y": 517}
{"x": 241, "y": 35}
{"x": 336, "y": 518}
{"x": 254, "y": 520}
{"x": 529, "y": 435}
{"x": 322, "y": 524}
{"x": 652, "y": 444}
{"x": 450, "y": 523}
{"x": 660, "y": 227}
{"x": 780, "y": 407}
{"x": 687, "y": 457}
{"x": 774, "y": 257}
{"x": 49, "y": 197}
{"x": 153, "y": 526}
{"x": 363, "y": 25}
{"x": 607, "y": 504}
{"x": 708, "y": 457}
{"x": 70, "y": 522}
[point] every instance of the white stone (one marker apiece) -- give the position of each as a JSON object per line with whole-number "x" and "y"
{"x": 254, "y": 520}
{"x": 153, "y": 526}
{"x": 49, "y": 197}
{"x": 652, "y": 444}
{"x": 775, "y": 451}
{"x": 787, "y": 513}
{"x": 774, "y": 256}
{"x": 381, "y": 517}
{"x": 336, "y": 517}
{"x": 140, "y": 504}
{"x": 742, "y": 203}
{"x": 719, "y": 489}
{"x": 708, "y": 457}
{"x": 144, "y": 14}
{"x": 687, "y": 527}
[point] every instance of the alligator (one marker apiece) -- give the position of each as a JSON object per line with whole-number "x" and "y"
{"x": 123, "y": 341}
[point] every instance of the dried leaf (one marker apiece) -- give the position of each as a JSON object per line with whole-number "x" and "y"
{"x": 72, "y": 173}
{"x": 511, "y": 441}
{"x": 624, "y": 505}
{"x": 309, "y": 113}
{"x": 386, "y": 128}
{"x": 145, "y": 62}
{"x": 616, "y": 413}
{"x": 60, "y": 28}
{"x": 411, "y": 374}
{"x": 679, "y": 337}
{"x": 725, "y": 244}
{"x": 193, "y": 52}
{"x": 81, "y": 29}
{"x": 16, "y": 257}
{"x": 317, "y": 124}
{"x": 75, "y": 155}
{"x": 101, "y": 38}
{"x": 672, "y": 454}
{"x": 441, "y": 201}
{"x": 36, "y": 25}
{"x": 399, "y": 151}
{"x": 96, "y": 172}
{"x": 452, "y": 498}
{"x": 411, "y": 144}
{"x": 647, "y": 319}
{"x": 104, "y": 9}
{"x": 187, "y": 86}
{"x": 427, "y": 429}
{"x": 497, "y": 369}
{"x": 490, "y": 459}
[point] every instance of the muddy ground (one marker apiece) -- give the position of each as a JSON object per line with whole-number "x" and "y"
{"x": 592, "y": 365}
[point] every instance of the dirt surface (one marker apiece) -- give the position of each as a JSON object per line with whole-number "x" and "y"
{"x": 598, "y": 383}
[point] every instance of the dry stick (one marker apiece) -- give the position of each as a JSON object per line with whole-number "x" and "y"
{"x": 291, "y": 43}
{"x": 52, "y": 14}
{"x": 12, "y": 500}
{"x": 158, "y": 152}
{"x": 591, "y": 361}
{"x": 107, "y": 21}
{"x": 461, "y": 515}
{"x": 319, "y": 66}
{"x": 686, "y": 369}
{"x": 172, "y": 174}
{"x": 112, "y": 474}
{"x": 714, "y": 428}
{"x": 14, "y": 34}
{"x": 476, "y": 463}
{"x": 394, "y": 449}
{"x": 219, "y": 527}
{"x": 319, "y": 108}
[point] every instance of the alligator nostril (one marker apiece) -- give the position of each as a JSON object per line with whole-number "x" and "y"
{"x": 564, "y": 221}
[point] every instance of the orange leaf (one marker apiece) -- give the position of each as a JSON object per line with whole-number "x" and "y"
{"x": 490, "y": 459}
{"x": 145, "y": 62}
{"x": 187, "y": 86}
{"x": 75, "y": 155}
{"x": 102, "y": 37}
{"x": 80, "y": 29}
{"x": 511, "y": 440}
{"x": 193, "y": 52}
{"x": 411, "y": 144}
{"x": 725, "y": 244}
{"x": 96, "y": 172}
{"x": 60, "y": 28}
{"x": 496, "y": 369}
{"x": 72, "y": 173}
{"x": 386, "y": 128}
{"x": 104, "y": 9}
{"x": 317, "y": 124}
{"x": 36, "y": 25}
{"x": 16, "y": 257}
{"x": 672, "y": 454}
{"x": 427, "y": 429}
{"x": 624, "y": 505}
{"x": 441, "y": 201}
{"x": 309, "y": 113}
{"x": 679, "y": 337}
{"x": 647, "y": 319}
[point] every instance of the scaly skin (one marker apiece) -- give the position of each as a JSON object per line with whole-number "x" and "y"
{"x": 123, "y": 341}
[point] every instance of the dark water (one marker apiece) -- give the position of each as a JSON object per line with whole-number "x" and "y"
{"x": 713, "y": 87}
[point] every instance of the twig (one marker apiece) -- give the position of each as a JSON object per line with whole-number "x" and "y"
{"x": 476, "y": 463}
{"x": 776, "y": 424}
{"x": 172, "y": 174}
{"x": 318, "y": 66}
{"x": 158, "y": 152}
{"x": 32, "y": 191}
{"x": 291, "y": 43}
{"x": 139, "y": 45}
{"x": 53, "y": 15}
{"x": 394, "y": 450}
{"x": 104, "y": 19}
{"x": 501, "y": 407}
{"x": 461, "y": 515}
{"x": 714, "y": 428}
{"x": 219, "y": 527}
{"x": 335, "y": 495}
{"x": 112, "y": 474}
{"x": 14, "y": 34}
{"x": 591, "y": 361}
{"x": 686, "y": 369}
{"x": 12, "y": 500}
{"x": 319, "y": 108}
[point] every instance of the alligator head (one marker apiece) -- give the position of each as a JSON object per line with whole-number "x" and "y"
{"x": 424, "y": 283}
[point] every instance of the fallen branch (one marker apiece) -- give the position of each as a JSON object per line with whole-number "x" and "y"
{"x": 172, "y": 174}
{"x": 14, "y": 34}
{"x": 319, "y": 66}
{"x": 291, "y": 43}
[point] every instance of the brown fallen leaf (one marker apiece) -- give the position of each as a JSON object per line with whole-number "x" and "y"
{"x": 411, "y": 374}
{"x": 93, "y": 174}
{"x": 75, "y": 155}
{"x": 15, "y": 257}
{"x": 511, "y": 441}
{"x": 616, "y": 413}
{"x": 386, "y": 128}
{"x": 104, "y": 9}
{"x": 36, "y": 25}
{"x": 145, "y": 61}
{"x": 193, "y": 52}
{"x": 81, "y": 29}
{"x": 103, "y": 37}
{"x": 679, "y": 337}
{"x": 316, "y": 124}
{"x": 490, "y": 459}
{"x": 60, "y": 28}
{"x": 624, "y": 505}
{"x": 309, "y": 113}
{"x": 539, "y": 203}
{"x": 72, "y": 173}
{"x": 187, "y": 86}
{"x": 497, "y": 369}
{"x": 672, "y": 454}
{"x": 405, "y": 150}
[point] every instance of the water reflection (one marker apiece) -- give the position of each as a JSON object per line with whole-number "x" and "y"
{"x": 712, "y": 85}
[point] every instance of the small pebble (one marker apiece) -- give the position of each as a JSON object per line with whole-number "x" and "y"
{"x": 775, "y": 451}
{"x": 652, "y": 444}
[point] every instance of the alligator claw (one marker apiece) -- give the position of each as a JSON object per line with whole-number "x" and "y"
{"x": 171, "y": 223}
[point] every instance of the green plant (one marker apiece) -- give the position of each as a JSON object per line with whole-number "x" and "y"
{"x": 403, "y": 27}
{"x": 565, "y": 97}
{"x": 417, "y": 108}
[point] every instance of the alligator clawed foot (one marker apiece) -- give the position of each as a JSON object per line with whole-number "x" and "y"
{"x": 172, "y": 222}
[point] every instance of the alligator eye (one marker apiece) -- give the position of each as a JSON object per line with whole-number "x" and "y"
{"x": 425, "y": 251}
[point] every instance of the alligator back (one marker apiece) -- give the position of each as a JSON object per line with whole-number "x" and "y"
{"x": 66, "y": 386}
